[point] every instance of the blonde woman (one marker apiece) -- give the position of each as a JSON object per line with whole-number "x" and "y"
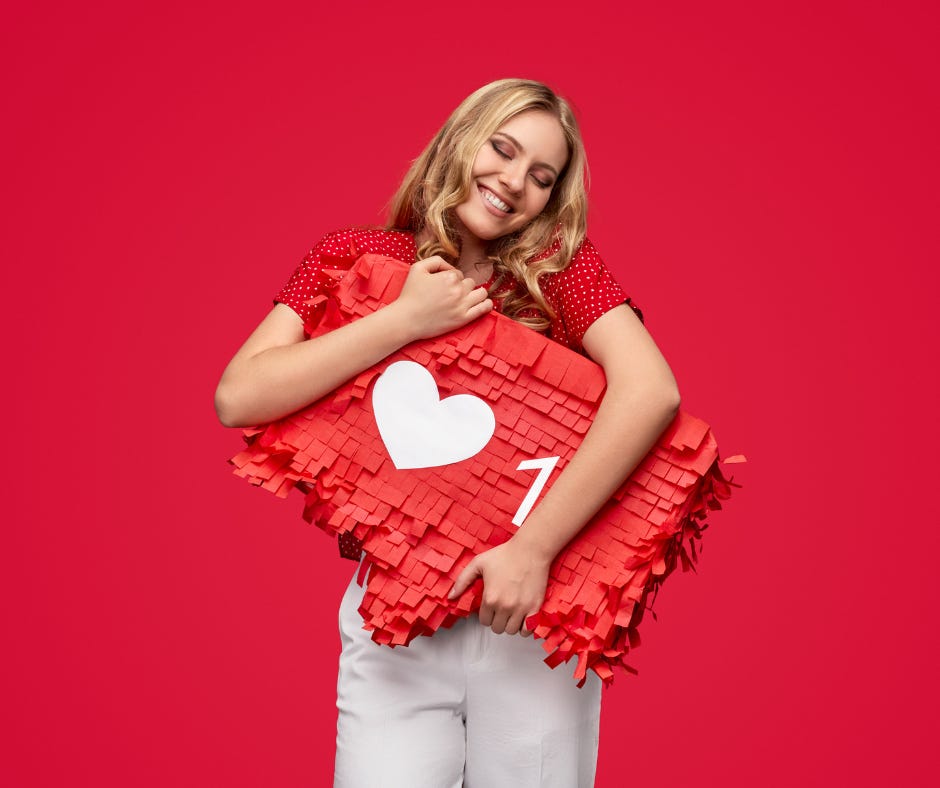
{"x": 491, "y": 216}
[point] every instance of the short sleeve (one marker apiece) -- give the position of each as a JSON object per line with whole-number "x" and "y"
{"x": 306, "y": 290}
{"x": 581, "y": 293}
{"x": 305, "y": 284}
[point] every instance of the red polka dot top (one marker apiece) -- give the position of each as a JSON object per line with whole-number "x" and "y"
{"x": 579, "y": 295}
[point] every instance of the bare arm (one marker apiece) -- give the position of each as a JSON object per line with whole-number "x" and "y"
{"x": 640, "y": 401}
{"x": 277, "y": 372}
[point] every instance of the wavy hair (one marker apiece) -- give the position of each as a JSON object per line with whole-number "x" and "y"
{"x": 440, "y": 179}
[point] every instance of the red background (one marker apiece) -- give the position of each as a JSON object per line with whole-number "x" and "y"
{"x": 765, "y": 186}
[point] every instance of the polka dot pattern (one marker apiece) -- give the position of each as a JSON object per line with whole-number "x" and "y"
{"x": 580, "y": 294}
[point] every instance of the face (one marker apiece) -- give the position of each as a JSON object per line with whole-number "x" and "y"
{"x": 513, "y": 176}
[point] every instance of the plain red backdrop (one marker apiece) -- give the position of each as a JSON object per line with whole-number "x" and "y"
{"x": 765, "y": 186}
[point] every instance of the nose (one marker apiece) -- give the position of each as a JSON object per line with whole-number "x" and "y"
{"x": 512, "y": 176}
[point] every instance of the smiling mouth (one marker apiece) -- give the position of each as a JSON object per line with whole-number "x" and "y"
{"x": 493, "y": 200}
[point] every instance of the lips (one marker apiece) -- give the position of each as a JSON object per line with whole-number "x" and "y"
{"x": 494, "y": 201}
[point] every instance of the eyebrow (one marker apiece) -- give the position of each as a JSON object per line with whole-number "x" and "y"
{"x": 519, "y": 145}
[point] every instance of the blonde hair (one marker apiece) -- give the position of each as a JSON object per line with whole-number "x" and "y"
{"x": 440, "y": 179}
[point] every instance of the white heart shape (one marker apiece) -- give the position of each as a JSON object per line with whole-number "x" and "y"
{"x": 421, "y": 430}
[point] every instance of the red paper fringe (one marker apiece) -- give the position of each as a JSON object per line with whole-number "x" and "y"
{"x": 419, "y": 528}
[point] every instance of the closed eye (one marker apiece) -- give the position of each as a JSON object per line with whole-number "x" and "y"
{"x": 503, "y": 153}
{"x": 499, "y": 150}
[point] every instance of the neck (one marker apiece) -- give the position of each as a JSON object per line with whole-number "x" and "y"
{"x": 473, "y": 261}
{"x": 472, "y": 255}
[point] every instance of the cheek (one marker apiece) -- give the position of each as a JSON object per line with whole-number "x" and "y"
{"x": 539, "y": 200}
{"x": 485, "y": 162}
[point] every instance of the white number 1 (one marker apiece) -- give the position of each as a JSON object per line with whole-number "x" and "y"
{"x": 545, "y": 465}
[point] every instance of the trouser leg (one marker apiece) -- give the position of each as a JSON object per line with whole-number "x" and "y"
{"x": 400, "y": 722}
{"x": 528, "y": 726}
{"x": 464, "y": 707}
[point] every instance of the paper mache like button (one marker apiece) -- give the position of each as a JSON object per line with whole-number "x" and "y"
{"x": 419, "y": 526}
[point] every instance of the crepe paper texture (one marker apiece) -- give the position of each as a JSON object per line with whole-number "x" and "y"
{"x": 419, "y": 527}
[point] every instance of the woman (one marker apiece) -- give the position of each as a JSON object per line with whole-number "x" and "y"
{"x": 492, "y": 215}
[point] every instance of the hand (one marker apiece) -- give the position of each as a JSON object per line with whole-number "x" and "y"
{"x": 437, "y": 298}
{"x": 514, "y": 583}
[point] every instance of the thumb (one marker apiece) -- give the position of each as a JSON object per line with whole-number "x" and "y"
{"x": 470, "y": 573}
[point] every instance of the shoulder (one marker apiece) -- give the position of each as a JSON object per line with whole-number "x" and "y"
{"x": 586, "y": 258}
{"x": 582, "y": 292}
{"x": 356, "y": 241}
{"x": 588, "y": 270}
{"x": 585, "y": 265}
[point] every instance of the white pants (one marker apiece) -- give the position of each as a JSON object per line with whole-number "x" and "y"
{"x": 465, "y": 707}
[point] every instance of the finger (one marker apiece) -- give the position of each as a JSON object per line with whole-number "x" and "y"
{"x": 478, "y": 310}
{"x": 435, "y": 264}
{"x": 514, "y": 624}
{"x": 427, "y": 264}
{"x": 464, "y": 579}
{"x": 499, "y": 623}
{"x": 486, "y": 615}
{"x": 528, "y": 625}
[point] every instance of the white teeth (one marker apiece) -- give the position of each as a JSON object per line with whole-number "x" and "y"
{"x": 494, "y": 200}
